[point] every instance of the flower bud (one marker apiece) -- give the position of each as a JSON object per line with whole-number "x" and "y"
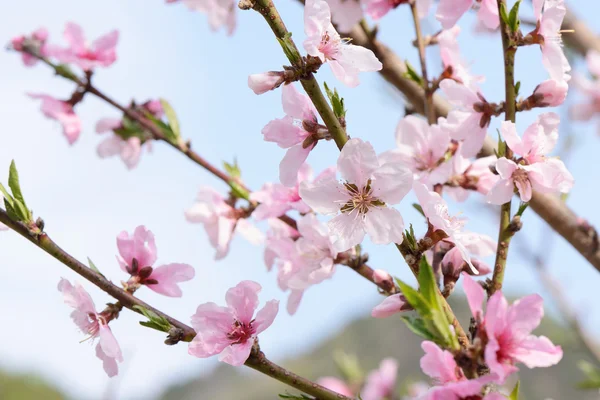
{"x": 262, "y": 83}
{"x": 554, "y": 92}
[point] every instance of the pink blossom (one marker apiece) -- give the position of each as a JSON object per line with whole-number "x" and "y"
{"x": 436, "y": 211}
{"x": 590, "y": 88}
{"x": 220, "y": 221}
{"x": 291, "y": 131}
{"x": 450, "y": 11}
{"x": 345, "y": 13}
{"x": 137, "y": 255}
{"x": 323, "y": 41}
{"x": 450, "y": 381}
{"x": 336, "y": 385}
{"x": 380, "y": 276}
{"x": 535, "y": 171}
{"x": 461, "y": 176}
{"x": 465, "y": 123}
{"x": 36, "y": 42}
{"x": 220, "y": 13}
{"x": 380, "y": 384}
{"x": 363, "y": 199}
{"x": 390, "y": 305}
{"x": 100, "y": 53}
{"x": 508, "y": 331}
{"x": 129, "y": 150}
{"x": 452, "y": 59}
{"x": 277, "y": 230}
{"x": 420, "y": 146}
{"x": 305, "y": 261}
{"x": 275, "y": 199}
{"x": 477, "y": 245}
{"x": 549, "y": 26}
{"x": 231, "y": 330}
{"x": 93, "y": 324}
{"x": 553, "y": 92}
{"x": 378, "y": 8}
{"x": 262, "y": 83}
{"x": 62, "y": 112}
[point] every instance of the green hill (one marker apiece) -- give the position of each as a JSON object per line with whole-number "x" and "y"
{"x": 372, "y": 340}
{"x": 26, "y": 387}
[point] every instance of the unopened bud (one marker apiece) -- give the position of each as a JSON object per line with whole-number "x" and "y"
{"x": 552, "y": 93}
{"x": 262, "y": 83}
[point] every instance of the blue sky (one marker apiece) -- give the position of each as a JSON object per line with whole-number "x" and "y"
{"x": 168, "y": 51}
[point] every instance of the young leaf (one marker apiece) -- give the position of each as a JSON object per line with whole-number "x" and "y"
{"x": 419, "y": 209}
{"x": 522, "y": 208}
{"x": 412, "y": 74}
{"x": 93, "y": 266}
{"x": 13, "y": 183}
{"x": 7, "y": 197}
{"x": 415, "y": 299}
{"x": 501, "y": 152}
{"x": 232, "y": 169}
{"x": 173, "y": 121}
{"x": 417, "y": 325}
{"x": 517, "y": 88}
{"x": 155, "y": 319}
{"x": 289, "y": 49}
{"x": 337, "y": 103}
{"x": 503, "y": 13}
{"x": 154, "y": 325}
{"x": 513, "y": 17}
{"x": 427, "y": 284}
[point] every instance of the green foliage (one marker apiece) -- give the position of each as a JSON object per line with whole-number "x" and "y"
{"x": 433, "y": 323}
{"x": 513, "y": 17}
{"x": 419, "y": 209}
{"x": 592, "y": 373}
{"x": 155, "y": 321}
{"x": 501, "y": 151}
{"x": 93, "y": 266}
{"x": 15, "y": 203}
{"x": 173, "y": 134}
{"x": 232, "y": 169}
{"x": 337, "y": 103}
{"x": 412, "y": 74}
{"x": 289, "y": 48}
{"x": 65, "y": 71}
{"x": 517, "y": 88}
{"x": 514, "y": 395}
{"x": 409, "y": 236}
{"x": 522, "y": 207}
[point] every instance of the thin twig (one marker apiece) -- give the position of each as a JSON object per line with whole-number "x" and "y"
{"x": 429, "y": 107}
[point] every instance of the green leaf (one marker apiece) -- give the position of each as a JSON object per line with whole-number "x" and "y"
{"x": 239, "y": 191}
{"x": 156, "y": 321}
{"x": 513, "y": 17}
{"x": 232, "y": 169}
{"x": 415, "y": 299}
{"x": 289, "y": 48}
{"x": 514, "y": 395}
{"x": 592, "y": 373}
{"x": 13, "y": 183}
{"x": 349, "y": 366}
{"x": 503, "y": 13}
{"x": 65, "y": 71}
{"x": 337, "y": 103}
{"x": 417, "y": 325}
{"x": 522, "y": 207}
{"x": 294, "y": 397}
{"x": 501, "y": 152}
{"x": 419, "y": 209}
{"x": 517, "y": 88}
{"x": 173, "y": 121}
{"x": 7, "y": 197}
{"x": 412, "y": 74}
{"x": 427, "y": 284}
{"x": 93, "y": 266}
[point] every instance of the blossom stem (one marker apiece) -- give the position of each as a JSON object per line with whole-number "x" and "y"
{"x": 510, "y": 109}
{"x": 267, "y": 9}
{"x": 429, "y": 107}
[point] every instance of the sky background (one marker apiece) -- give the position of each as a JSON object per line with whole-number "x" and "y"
{"x": 167, "y": 51}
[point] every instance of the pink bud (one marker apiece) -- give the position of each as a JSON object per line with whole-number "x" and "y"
{"x": 380, "y": 276}
{"x": 554, "y": 92}
{"x": 262, "y": 83}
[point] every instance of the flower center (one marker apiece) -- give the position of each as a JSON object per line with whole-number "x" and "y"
{"x": 520, "y": 176}
{"x": 240, "y": 332}
{"x": 330, "y": 44}
{"x": 361, "y": 199}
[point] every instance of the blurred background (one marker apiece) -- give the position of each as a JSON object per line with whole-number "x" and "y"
{"x": 167, "y": 51}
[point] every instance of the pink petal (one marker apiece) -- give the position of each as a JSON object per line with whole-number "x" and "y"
{"x": 237, "y": 354}
{"x": 458, "y": 94}
{"x": 550, "y": 176}
{"x": 291, "y": 163}
{"x": 262, "y": 83}
{"x": 107, "y": 125}
{"x": 110, "y": 346}
{"x": 131, "y": 151}
{"x": 391, "y": 182}
{"x": 265, "y": 316}
{"x": 348, "y": 231}
{"x": 437, "y": 363}
{"x": 357, "y": 161}
{"x": 324, "y": 196}
{"x": 168, "y": 277}
{"x": 336, "y": 385}
{"x": 76, "y": 297}
{"x": 475, "y": 295}
{"x": 537, "y": 352}
{"x": 243, "y": 299}
{"x": 249, "y": 232}
{"x": 108, "y": 363}
{"x": 525, "y": 191}
{"x": 449, "y": 11}
{"x": 380, "y": 383}
{"x": 294, "y": 301}
{"x": 220, "y": 235}
{"x": 297, "y": 105}
{"x": 284, "y": 132}
{"x": 106, "y": 43}
{"x": 488, "y": 14}
{"x": 74, "y": 35}
{"x": 384, "y": 225}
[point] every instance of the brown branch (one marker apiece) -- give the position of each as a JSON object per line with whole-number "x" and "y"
{"x": 429, "y": 108}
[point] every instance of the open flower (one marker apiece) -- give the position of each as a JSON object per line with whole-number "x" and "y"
{"x": 231, "y": 330}
{"x": 363, "y": 199}
{"x": 221, "y": 221}
{"x": 455, "y": 67}
{"x": 293, "y": 132}
{"x": 346, "y": 13}
{"x": 93, "y": 324}
{"x": 220, "y": 13}
{"x": 129, "y": 150}
{"x": 549, "y": 25}
{"x": 36, "y": 43}
{"x": 323, "y": 41}
{"x": 506, "y": 331}
{"x": 381, "y": 383}
{"x": 137, "y": 255}
{"x": 450, "y": 381}
{"x": 468, "y": 123}
{"x": 62, "y": 112}
{"x": 378, "y": 8}
{"x": 590, "y": 88}
{"x": 533, "y": 170}
{"x": 450, "y": 11}
{"x": 100, "y": 53}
